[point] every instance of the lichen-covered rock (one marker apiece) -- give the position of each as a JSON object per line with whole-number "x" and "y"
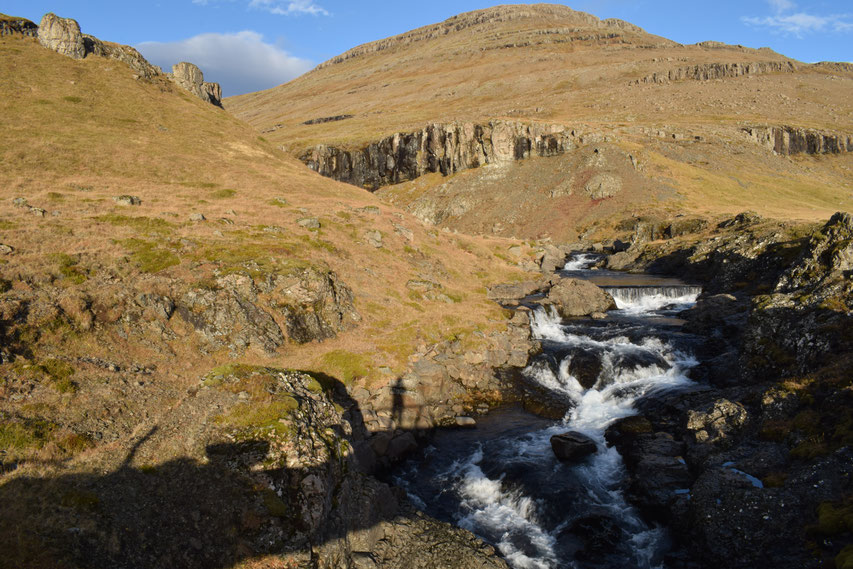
{"x": 827, "y": 257}
{"x": 225, "y": 318}
{"x": 191, "y": 78}
{"x": 716, "y": 423}
{"x": 316, "y": 304}
{"x": 62, "y": 35}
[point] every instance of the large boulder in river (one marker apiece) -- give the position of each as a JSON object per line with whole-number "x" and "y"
{"x": 576, "y": 297}
{"x": 62, "y": 35}
{"x": 572, "y": 446}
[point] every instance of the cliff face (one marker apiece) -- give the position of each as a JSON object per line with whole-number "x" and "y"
{"x": 191, "y": 78}
{"x": 445, "y": 148}
{"x": 787, "y": 140}
{"x": 710, "y": 71}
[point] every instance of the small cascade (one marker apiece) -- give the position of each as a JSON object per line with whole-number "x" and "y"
{"x": 502, "y": 481}
{"x": 581, "y": 261}
{"x": 638, "y": 299}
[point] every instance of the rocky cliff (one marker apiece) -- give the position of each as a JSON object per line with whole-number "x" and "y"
{"x": 787, "y": 140}
{"x": 63, "y": 35}
{"x": 190, "y": 77}
{"x": 710, "y": 71}
{"x": 444, "y": 148}
{"x": 10, "y": 26}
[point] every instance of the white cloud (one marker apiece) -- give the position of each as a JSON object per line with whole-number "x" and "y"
{"x": 241, "y": 62}
{"x": 787, "y": 21}
{"x": 279, "y": 7}
{"x": 288, "y": 8}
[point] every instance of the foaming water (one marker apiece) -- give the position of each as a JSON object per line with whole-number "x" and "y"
{"x": 646, "y": 299}
{"x": 581, "y": 261}
{"x": 502, "y": 481}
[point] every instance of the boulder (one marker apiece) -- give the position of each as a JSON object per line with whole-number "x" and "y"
{"x": 602, "y": 186}
{"x": 572, "y": 446}
{"x": 190, "y": 77}
{"x": 716, "y": 422}
{"x": 127, "y": 200}
{"x": 552, "y": 260}
{"x": 575, "y": 297}
{"x": 515, "y": 291}
{"x": 62, "y": 35}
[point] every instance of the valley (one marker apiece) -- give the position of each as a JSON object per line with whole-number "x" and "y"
{"x": 524, "y": 288}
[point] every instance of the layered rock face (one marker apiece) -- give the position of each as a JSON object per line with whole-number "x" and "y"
{"x": 710, "y": 71}
{"x": 445, "y": 148}
{"x": 191, "y": 78}
{"x": 63, "y": 35}
{"x": 787, "y": 140}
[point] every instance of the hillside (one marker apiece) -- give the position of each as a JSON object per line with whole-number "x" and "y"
{"x": 150, "y": 239}
{"x": 685, "y": 113}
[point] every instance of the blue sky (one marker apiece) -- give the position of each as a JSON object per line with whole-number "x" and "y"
{"x": 248, "y": 45}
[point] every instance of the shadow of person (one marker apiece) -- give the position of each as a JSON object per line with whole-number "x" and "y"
{"x": 236, "y": 503}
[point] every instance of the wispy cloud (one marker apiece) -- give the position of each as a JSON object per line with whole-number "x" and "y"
{"x": 279, "y": 7}
{"x": 787, "y": 19}
{"x": 241, "y": 62}
{"x": 289, "y": 8}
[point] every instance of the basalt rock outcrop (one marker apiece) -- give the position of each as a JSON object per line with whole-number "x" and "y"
{"x": 444, "y": 148}
{"x": 190, "y": 77}
{"x": 14, "y": 26}
{"x": 63, "y": 36}
{"x": 710, "y": 71}
{"x": 788, "y": 140}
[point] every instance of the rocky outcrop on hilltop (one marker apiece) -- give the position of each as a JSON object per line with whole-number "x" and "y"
{"x": 63, "y": 35}
{"x": 191, "y": 78}
{"x": 12, "y": 26}
{"x": 444, "y": 148}
{"x": 788, "y": 140}
{"x": 709, "y": 71}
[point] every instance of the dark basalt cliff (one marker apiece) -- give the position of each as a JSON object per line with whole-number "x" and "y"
{"x": 711, "y": 71}
{"x": 787, "y": 140}
{"x": 445, "y": 148}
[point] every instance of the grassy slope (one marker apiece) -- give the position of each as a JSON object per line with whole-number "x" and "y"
{"x": 77, "y": 133}
{"x": 470, "y": 74}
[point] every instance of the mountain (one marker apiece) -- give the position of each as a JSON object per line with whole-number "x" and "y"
{"x": 649, "y": 123}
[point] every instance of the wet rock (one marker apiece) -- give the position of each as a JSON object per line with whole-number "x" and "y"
{"x": 575, "y": 297}
{"x": 467, "y": 422}
{"x": 586, "y": 367}
{"x": 62, "y": 35}
{"x": 572, "y": 446}
{"x": 600, "y": 534}
{"x": 716, "y": 423}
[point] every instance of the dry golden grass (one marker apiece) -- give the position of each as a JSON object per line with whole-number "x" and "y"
{"x": 77, "y": 133}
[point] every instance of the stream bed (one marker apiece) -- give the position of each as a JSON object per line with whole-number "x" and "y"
{"x": 502, "y": 481}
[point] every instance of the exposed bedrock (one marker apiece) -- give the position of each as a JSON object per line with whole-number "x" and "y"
{"x": 63, "y": 36}
{"x": 787, "y": 140}
{"x": 445, "y": 148}
{"x": 708, "y": 71}
{"x": 18, "y": 26}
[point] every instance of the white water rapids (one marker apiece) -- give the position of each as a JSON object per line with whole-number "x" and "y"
{"x": 499, "y": 487}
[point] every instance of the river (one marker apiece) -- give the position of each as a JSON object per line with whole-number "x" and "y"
{"x": 502, "y": 481}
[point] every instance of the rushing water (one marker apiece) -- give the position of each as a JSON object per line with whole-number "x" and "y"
{"x": 502, "y": 481}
